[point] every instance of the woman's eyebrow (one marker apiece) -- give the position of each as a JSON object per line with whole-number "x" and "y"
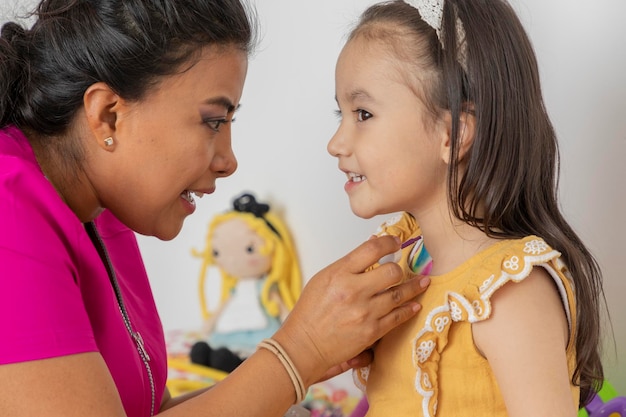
{"x": 224, "y": 102}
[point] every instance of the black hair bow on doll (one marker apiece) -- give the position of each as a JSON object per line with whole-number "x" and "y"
{"x": 247, "y": 203}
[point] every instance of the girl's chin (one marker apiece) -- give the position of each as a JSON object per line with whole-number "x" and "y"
{"x": 368, "y": 211}
{"x": 362, "y": 212}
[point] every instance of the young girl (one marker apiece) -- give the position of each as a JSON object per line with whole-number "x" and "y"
{"x": 442, "y": 119}
{"x": 261, "y": 279}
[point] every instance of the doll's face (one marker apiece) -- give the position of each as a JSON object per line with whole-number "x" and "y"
{"x": 236, "y": 250}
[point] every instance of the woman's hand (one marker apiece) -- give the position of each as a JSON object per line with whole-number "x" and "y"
{"x": 362, "y": 359}
{"x": 343, "y": 310}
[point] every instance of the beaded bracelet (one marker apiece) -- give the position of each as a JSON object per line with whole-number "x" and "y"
{"x": 275, "y": 347}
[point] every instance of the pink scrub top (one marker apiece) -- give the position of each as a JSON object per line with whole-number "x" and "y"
{"x": 56, "y": 298}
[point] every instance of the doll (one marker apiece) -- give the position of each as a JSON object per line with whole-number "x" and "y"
{"x": 260, "y": 282}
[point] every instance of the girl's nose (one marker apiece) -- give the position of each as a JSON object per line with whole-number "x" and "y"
{"x": 335, "y": 145}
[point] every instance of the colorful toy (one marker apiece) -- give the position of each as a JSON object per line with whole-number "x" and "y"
{"x": 361, "y": 408}
{"x": 260, "y": 282}
{"x": 606, "y": 403}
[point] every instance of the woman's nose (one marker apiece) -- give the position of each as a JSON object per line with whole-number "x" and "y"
{"x": 224, "y": 162}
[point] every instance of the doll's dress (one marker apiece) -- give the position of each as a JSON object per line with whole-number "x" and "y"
{"x": 244, "y": 322}
{"x": 429, "y": 365}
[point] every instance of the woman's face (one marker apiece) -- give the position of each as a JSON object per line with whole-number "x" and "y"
{"x": 173, "y": 145}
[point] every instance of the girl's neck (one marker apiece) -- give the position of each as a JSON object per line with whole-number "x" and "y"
{"x": 450, "y": 241}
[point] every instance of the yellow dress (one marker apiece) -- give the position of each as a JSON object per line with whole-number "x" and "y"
{"x": 429, "y": 366}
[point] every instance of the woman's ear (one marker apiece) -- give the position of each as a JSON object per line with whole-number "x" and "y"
{"x": 467, "y": 130}
{"x": 101, "y": 105}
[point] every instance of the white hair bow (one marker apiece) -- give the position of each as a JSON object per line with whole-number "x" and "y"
{"x": 432, "y": 13}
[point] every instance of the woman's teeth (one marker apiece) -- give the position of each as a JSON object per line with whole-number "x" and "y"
{"x": 187, "y": 196}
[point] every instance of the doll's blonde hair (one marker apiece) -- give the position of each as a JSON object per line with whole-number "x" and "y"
{"x": 284, "y": 271}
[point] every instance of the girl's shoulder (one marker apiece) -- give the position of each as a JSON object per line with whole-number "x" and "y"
{"x": 507, "y": 261}
{"x": 513, "y": 259}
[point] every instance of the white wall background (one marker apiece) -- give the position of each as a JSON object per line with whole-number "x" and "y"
{"x": 287, "y": 118}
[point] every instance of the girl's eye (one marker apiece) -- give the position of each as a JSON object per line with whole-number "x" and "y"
{"x": 363, "y": 115}
{"x": 215, "y": 253}
{"x": 250, "y": 249}
{"x": 214, "y": 124}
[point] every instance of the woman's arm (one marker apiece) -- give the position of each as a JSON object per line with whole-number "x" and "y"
{"x": 525, "y": 340}
{"x": 168, "y": 401}
{"x": 341, "y": 312}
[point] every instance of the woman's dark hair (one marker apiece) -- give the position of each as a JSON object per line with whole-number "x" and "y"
{"x": 509, "y": 186}
{"x": 127, "y": 44}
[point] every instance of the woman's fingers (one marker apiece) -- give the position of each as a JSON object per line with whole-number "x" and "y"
{"x": 397, "y": 295}
{"x": 343, "y": 310}
{"x": 362, "y": 359}
{"x": 393, "y": 288}
{"x": 396, "y": 304}
{"x": 368, "y": 253}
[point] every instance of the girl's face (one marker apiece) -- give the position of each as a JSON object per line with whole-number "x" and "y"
{"x": 237, "y": 250}
{"x": 173, "y": 144}
{"x": 391, "y": 157}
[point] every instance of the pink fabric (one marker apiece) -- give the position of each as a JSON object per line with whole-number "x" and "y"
{"x": 361, "y": 408}
{"x": 55, "y": 294}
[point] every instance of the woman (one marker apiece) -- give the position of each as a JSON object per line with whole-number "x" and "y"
{"x": 114, "y": 115}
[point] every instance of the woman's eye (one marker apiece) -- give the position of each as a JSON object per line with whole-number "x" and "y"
{"x": 363, "y": 115}
{"x": 214, "y": 124}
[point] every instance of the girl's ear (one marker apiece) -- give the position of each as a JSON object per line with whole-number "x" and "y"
{"x": 101, "y": 106}
{"x": 467, "y": 129}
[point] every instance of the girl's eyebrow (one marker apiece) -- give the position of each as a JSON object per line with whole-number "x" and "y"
{"x": 357, "y": 95}
{"x": 224, "y": 102}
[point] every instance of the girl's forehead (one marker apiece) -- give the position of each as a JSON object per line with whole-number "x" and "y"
{"x": 362, "y": 67}
{"x": 362, "y": 53}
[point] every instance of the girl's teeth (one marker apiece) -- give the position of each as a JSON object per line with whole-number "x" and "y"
{"x": 198, "y": 194}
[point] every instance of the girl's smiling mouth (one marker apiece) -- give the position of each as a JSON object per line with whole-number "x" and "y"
{"x": 354, "y": 177}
